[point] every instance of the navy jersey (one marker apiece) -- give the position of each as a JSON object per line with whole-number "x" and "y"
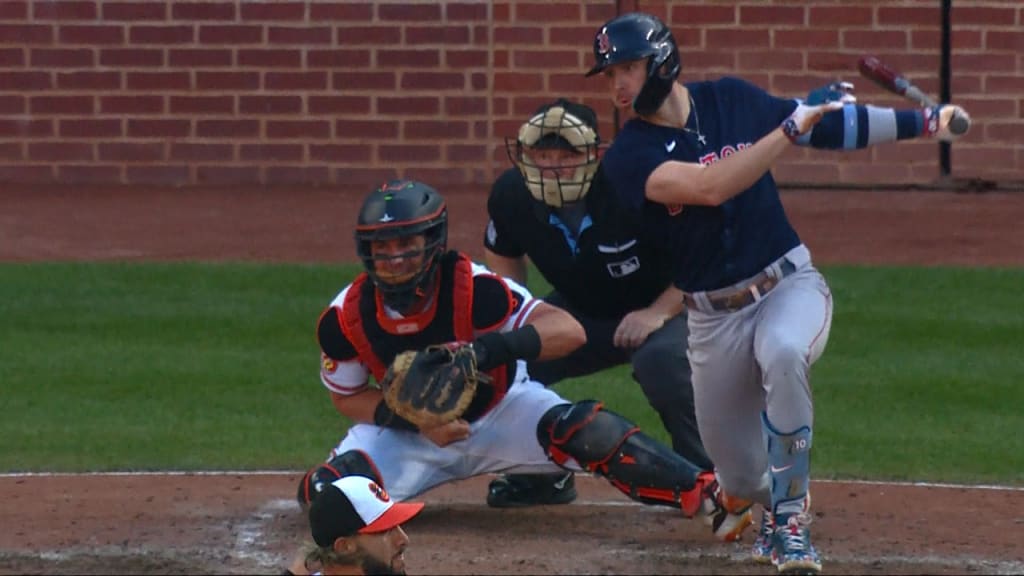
{"x": 610, "y": 269}
{"x": 714, "y": 246}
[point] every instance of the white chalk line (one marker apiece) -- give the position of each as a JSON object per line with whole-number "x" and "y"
{"x": 250, "y": 541}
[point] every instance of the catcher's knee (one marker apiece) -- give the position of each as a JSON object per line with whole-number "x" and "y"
{"x": 350, "y": 463}
{"x": 608, "y": 444}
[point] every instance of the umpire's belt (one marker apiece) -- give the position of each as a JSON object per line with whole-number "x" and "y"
{"x": 737, "y": 297}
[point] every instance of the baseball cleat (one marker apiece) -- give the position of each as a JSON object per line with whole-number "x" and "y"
{"x": 792, "y": 552}
{"x": 522, "y": 490}
{"x": 762, "y": 550}
{"x": 727, "y": 516}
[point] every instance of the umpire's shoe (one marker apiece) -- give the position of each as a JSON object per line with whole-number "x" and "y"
{"x": 520, "y": 490}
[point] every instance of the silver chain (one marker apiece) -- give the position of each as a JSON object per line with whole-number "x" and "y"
{"x": 696, "y": 117}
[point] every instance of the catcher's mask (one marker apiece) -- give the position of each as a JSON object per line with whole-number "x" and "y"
{"x": 636, "y": 36}
{"x": 557, "y": 152}
{"x": 403, "y": 211}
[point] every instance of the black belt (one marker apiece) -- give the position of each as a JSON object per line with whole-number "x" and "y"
{"x": 761, "y": 285}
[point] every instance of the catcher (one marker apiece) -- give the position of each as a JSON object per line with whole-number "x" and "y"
{"x": 459, "y": 402}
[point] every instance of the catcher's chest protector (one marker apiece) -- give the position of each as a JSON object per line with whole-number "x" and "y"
{"x": 378, "y": 338}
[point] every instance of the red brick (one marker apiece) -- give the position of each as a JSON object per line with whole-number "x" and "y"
{"x": 274, "y": 11}
{"x": 704, "y": 15}
{"x": 872, "y": 39}
{"x": 296, "y": 175}
{"x": 408, "y": 12}
{"x": 1001, "y": 84}
{"x": 344, "y": 11}
{"x": 218, "y": 174}
{"x": 983, "y": 62}
{"x": 158, "y": 81}
{"x": 457, "y": 12}
{"x": 782, "y": 60}
{"x": 131, "y": 57}
{"x": 25, "y": 128}
{"x": 134, "y": 11}
{"x": 839, "y": 16}
{"x": 909, "y": 16}
{"x": 401, "y": 153}
{"x": 10, "y": 151}
{"x": 772, "y": 15}
{"x": 729, "y": 39}
{"x": 479, "y": 81}
{"x": 481, "y": 35}
{"x": 199, "y": 57}
{"x": 145, "y": 34}
{"x": 340, "y": 152}
{"x": 544, "y": 12}
{"x": 465, "y": 153}
{"x": 64, "y": 10}
{"x": 466, "y": 58}
{"x": 433, "y": 81}
{"x": 203, "y": 11}
{"x": 201, "y": 104}
{"x": 60, "y": 151}
{"x": 61, "y": 58}
{"x": 359, "y": 35}
{"x": 435, "y": 130}
{"x": 158, "y": 128}
{"x": 352, "y": 176}
{"x": 91, "y": 35}
{"x": 230, "y": 34}
{"x": 269, "y": 104}
{"x": 360, "y": 129}
{"x": 967, "y": 14}
{"x": 90, "y": 128}
{"x": 290, "y": 81}
{"x": 61, "y": 105}
{"x": 801, "y": 39}
{"x": 229, "y": 129}
{"x": 13, "y": 10}
{"x": 574, "y": 36}
{"x": 27, "y": 81}
{"x": 158, "y": 175}
{"x": 273, "y": 152}
{"x": 89, "y": 173}
{"x": 131, "y": 151}
{"x": 407, "y": 106}
{"x": 135, "y": 104}
{"x": 319, "y": 105}
{"x": 25, "y": 174}
{"x": 270, "y": 58}
{"x": 528, "y": 35}
{"x": 300, "y": 35}
{"x": 828, "y": 60}
{"x": 12, "y": 57}
{"x": 425, "y": 58}
{"x": 546, "y": 59}
{"x": 227, "y": 80}
{"x": 201, "y": 152}
{"x": 448, "y": 34}
{"x": 1005, "y": 40}
{"x": 465, "y": 105}
{"x": 339, "y": 59}
{"x": 25, "y": 34}
{"x": 523, "y": 82}
{"x": 557, "y": 83}
{"x": 303, "y": 129}
{"x": 709, "y": 59}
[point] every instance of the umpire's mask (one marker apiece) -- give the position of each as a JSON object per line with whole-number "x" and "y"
{"x": 557, "y": 152}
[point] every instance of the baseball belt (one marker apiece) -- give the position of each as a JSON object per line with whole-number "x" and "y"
{"x": 738, "y": 298}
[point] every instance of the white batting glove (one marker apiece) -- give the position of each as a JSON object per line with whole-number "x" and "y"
{"x": 947, "y": 122}
{"x": 805, "y": 117}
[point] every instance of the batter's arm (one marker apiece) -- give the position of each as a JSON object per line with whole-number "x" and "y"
{"x": 514, "y": 268}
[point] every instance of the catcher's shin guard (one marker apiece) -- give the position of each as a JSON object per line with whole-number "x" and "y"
{"x": 350, "y": 463}
{"x": 607, "y": 444}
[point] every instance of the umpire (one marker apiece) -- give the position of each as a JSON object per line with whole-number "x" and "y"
{"x": 556, "y": 208}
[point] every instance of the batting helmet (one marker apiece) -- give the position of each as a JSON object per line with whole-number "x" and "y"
{"x": 402, "y": 209}
{"x": 560, "y": 125}
{"x": 635, "y": 36}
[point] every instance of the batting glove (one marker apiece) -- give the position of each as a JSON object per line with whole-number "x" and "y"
{"x": 803, "y": 119}
{"x": 947, "y": 122}
{"x": 834, "y": 92}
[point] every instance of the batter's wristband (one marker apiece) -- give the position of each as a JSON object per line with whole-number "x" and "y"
{"x": 385, "y": 417}
{"x": 496, "y": 348}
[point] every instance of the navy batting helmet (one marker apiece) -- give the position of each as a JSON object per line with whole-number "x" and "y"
{"x": 402, "y": 209}
{"x": 635, "y": 36}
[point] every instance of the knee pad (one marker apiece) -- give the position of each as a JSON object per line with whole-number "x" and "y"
{"x": 789, "y": 466}
{"x": 351, "y": 463}
{"x": 609, "y": 445}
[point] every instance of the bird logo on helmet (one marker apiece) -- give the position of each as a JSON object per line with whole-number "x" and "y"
{"x": 556, "y": 151}
{"x": 638, "y": 36}
{"x": 401, "y": 212}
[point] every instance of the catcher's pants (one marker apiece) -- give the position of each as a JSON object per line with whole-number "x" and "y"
{"x": 504, "y": 440}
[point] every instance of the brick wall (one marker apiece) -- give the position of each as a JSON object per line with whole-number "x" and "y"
{"x": 350, "y": 92}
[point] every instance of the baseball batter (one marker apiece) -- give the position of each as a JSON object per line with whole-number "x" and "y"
{"x": 696, "y": 163}
{"x": 414, "y": 294}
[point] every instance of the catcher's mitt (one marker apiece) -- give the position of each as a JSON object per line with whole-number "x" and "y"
{"x": 433, "y": 386}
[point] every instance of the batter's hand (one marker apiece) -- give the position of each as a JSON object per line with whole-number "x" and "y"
{"x": 834, "y": 92}
{"x": 636, "y": 326}
{"x": 937, "y": 119}
{"x": 446, "y": 434}
{"x": 805, "y": 117}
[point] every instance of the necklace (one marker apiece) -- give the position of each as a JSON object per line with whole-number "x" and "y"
{"x": 696, "y": 118}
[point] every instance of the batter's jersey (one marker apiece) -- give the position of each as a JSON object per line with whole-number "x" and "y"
{"x": 609, "y": 270}
{"x": 493, "y": 303}
{"x": 713, "y": 246}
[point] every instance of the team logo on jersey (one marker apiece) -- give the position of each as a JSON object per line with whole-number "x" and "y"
{"x": 328, "y": 364}
{"x": 604, "y": 43}
{"x": 624, "y": 268}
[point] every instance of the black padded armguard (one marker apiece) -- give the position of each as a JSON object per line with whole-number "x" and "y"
{"x": 496, "y": 348}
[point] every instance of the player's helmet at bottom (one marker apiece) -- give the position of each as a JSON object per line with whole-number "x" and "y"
{"x": 402, "y": 209}
{"x": 560, "y": 125}
{"x": 636, "y": 36}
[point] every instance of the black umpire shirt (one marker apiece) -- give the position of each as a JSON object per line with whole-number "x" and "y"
{"x": 613, "y": 267}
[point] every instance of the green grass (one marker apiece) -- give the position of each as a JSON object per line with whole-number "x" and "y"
{"x": 199, "y": 366}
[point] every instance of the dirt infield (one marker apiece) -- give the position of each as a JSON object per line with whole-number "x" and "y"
{"x": 233, "y": 523}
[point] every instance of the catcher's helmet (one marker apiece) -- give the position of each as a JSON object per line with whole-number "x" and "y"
{"x": 400, "y": 209}
{"x": 559, "y": 125}
{"x": 635, "y": 36}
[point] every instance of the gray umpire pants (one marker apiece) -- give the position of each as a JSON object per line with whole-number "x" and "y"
{"x": 660, "y": 366}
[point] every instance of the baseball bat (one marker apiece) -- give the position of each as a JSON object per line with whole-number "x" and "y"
{"x": 890, "y": 79}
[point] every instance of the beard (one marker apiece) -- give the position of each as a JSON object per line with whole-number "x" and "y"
{"x": 371, "y": 565}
